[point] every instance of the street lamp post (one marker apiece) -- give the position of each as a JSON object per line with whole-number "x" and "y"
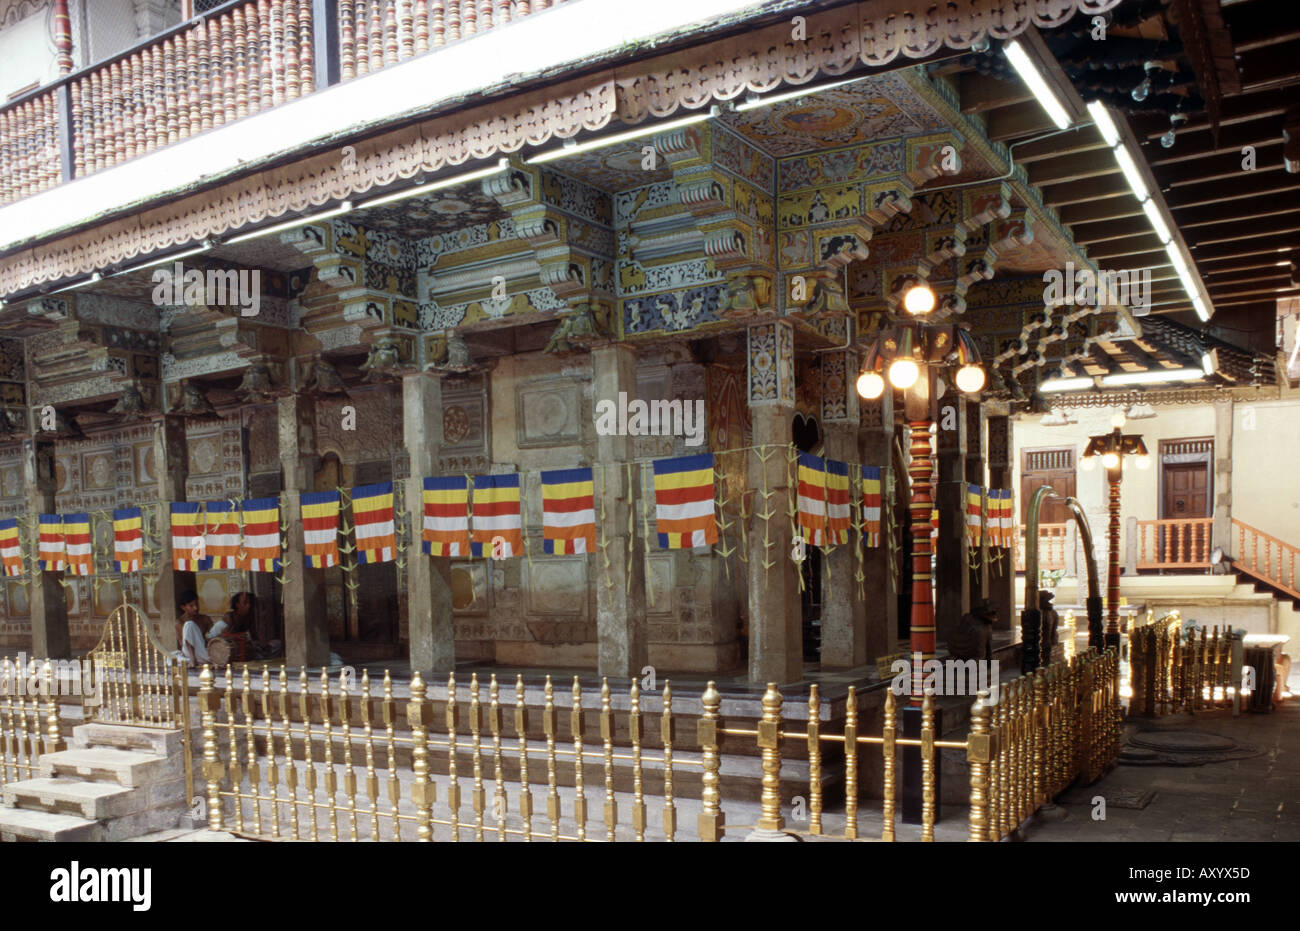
{"x": 1112, "y": 448}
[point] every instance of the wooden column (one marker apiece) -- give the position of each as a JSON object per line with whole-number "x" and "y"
{"x": 952, "y": 583}
{"x": 62, "y": 37}
{"x": 622, "y": 647}
{"x": 171, "y": 467}
{"x": 844, "y": 615}
{"x": 428, "y": 593}
{"x": 1002, "y": 564}
{"x": 49, "y": 607}
{"x": 775, "y": 616}
{"x": 876, "y": 441}
{"x": 1221, "y": 532}
{"x": 975, "y": 469}
{"x": 306, "y": 626}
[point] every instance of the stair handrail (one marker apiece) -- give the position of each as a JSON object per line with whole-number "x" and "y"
{"x": 1251, "y": 565}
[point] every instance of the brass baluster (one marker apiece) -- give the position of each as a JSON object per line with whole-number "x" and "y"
{"x": 769, "y": 743}
{"x": 209, "y": 701}
{"x": 851, "y": 765}
{"x": 53, "y": 736}
{"x": 290, "y": 764}
{"x": 814, "y": 761}
{"x": 711, "y": 822}
{"x": 889, "y": 734}
{"x": 418, "y": 716}
{"x": 394, "y": 784}
{"x": 498, "y": 766}
{"x": 254, "y": 771}
{"x": 666, "y": 735}
{"x": 634, "y": 731}
{"x": 349, "y": 770}
{"x": 521, "y": 728}
{"x": 308, "y": 766}
{"x": 331, "y": 777}
{"x": 272, "y": 769}
{"x": 236, "y": 770}
{"x": 1038, "y": 721}
{"x": 576, "y": 728}
{"x": 453, "y": 778}
{"x": 978, "y": 756}
{"x": 927, "y": 768}
{"x": 607, "y": 737}
{"x": 477, "y": 795}
{"x": 372, "y": 777}
{"x": 548, "y": 728}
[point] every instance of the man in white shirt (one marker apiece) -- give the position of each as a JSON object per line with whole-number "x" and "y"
{"x": 193, "y": 630}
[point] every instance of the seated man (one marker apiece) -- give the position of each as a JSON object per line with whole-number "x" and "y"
{"x": 237, "y": 623}
{"x": 192, "y": 630}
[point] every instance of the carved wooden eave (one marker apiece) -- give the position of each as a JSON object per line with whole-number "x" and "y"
{"x": 873, "y": 33}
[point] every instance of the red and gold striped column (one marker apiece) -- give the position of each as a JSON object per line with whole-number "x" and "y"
{"x": 922, "y": 622}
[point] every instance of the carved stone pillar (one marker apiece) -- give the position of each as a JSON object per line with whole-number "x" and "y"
{"x": 621, "y": 629}
{"x": 306, "y": 626}
{"x": 1221, "y": 534}
{"x": 844, "y": 615}
{"x": 775, "y": 616}
{"x": 1002, "y": 568}
{"x": 881, "y": 583}
{"x": 171, "y": 466}
{"x": 49, "y": 607}
{"x": 428, "y": 593}
{"x": 952, "y": 588}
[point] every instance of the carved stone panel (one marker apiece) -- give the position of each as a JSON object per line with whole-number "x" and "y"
{"x": 548, "y": 412}
{"x": 556, "y": 586}
{"x": 465, "y": 426}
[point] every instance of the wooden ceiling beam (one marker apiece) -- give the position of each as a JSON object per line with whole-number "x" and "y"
{"x": 1271, "y": 67}
{"x": 1078, "y": 192}
{"x": 1242, "y": 108}
{"x": 1265, "y": 179}
{"x": 1244, "y": 209}
{"x": 1017, "y": 120}
{"x": 1087, "y": 233}
{"x": 1253, "y": 229}
{"x": 1148, "y": 244}
{"x": 1189, "y": 146}
{"x": 980, "y": 93}
{"x": 1216, "y": 167}
{"x": 1235, "y": 249}
{"x": 1083, "y": 139}
{"x": 1078, "y": 167}
{"x": 1095, "y": 211}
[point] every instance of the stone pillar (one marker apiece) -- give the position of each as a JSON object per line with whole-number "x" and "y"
{"x": 1002, "y": 563}
{"x": 50, "y": 636}
{"x": 306, "y": 627}
{"x": 775, "y": 615}
{"x": 844, "y": 615}
{"x": 952, "y": 573}
{"x": 975, "y": 476}
{"x": 622, "y": 647}
{"x": 876, "y": 441}
{"x": 1221, "y": 530}
{"x": 171, "y": 462}
{"x": 428, "y": 592}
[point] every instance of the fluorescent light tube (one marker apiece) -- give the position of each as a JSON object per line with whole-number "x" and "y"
{"x": 1152, "y": 210}
{"x": 791, "y": 95}
{"x": 1065, "y": 384}
{"x": 1036, "y": 83}
{"x": 80, "y": 284}
{"x": 1150, "y": 378}
{"x": 1210, "y": 362}
{"x": 566, "y": 151}
{"x": 344, "y": 207}
{"x": 1105, "y": 125}
{"x": 1131, "y": 173}
{"x": 1199, "y": 306}
{"x": 416, "y": 190}
{"x": 1175, "y": 253}
{"x": 163, "y": 261}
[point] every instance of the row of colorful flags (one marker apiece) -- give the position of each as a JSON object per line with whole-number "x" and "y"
{"x": 993, "y": 510}
{"x": 476, "y": 517}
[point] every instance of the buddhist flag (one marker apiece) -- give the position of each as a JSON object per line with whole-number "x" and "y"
{"x": 684, "y": 502}
{"x": 974, "y": 514}
{"x": 320, "y": 528}
{"x": 260, "y": 551}
{"x": 372, "y": 516}
{"x": 76, "y": 544}
{"x": 189, "y": 549}
{"x": 838, "y": 520}
{"x": 812, "y": 499}
{"x": 568, "y": 511}
{"x": 11, "y": 551}
{"x": 496, "y": 514}
{"x": 128, "y": 539}
{"x": 51, "y": 552}
{"x": 446, "y": 516}
{"x": 222, "y": 535}
{"x": 871, "y": 505}
{"x": 1009, "y": 529}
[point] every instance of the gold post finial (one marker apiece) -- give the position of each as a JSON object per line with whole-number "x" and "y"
{"x": 977, "y": 754}
{"x": 711, "y": 820}
{"x": 769, "y": 743}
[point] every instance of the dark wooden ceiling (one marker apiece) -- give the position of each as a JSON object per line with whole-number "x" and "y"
{"x": 1242, "y": 226}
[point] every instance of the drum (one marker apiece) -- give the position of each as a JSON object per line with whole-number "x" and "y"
{"x": 225, "y": 650}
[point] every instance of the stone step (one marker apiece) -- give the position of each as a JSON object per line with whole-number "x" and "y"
{"x": 95, "y": 801}
{"x": 156, "y": 740}
{"x": 127, "y": 768}
{"x": 17, "y": 824}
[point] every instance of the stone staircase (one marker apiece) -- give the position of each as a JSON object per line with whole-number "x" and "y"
{"x": 115, "y": 782}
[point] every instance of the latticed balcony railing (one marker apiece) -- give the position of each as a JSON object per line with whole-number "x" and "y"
{"x": 235, "y": 60}
{"x": 1175, "y": 544}
{"x": 1053, "y": 544}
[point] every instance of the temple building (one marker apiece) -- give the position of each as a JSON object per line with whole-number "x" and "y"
{"x": 517, "y": 264}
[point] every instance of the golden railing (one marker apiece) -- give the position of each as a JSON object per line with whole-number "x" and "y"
{"x": 1171, "y": 671}
{"x": 132, "y": 679}
{"x": 1277, "y": 565}
{"x": 29, "y": 723}
{"x": 280, "y": 764}
{"x": 1175, "y": 543}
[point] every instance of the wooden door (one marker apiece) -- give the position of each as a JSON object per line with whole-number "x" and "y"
{"x": 1187, "y": 492}
{"x": 1047, "y": 466}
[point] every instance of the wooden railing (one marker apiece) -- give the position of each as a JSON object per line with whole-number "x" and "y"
{"x": 1052, "y": 545}
{"x": 1266, "y": 557}
{"x": 241, "y": 58}
{"x": 1174, "y": 544}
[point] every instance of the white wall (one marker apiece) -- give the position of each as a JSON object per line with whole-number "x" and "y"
{"x": 1266, "y": 467}
{"x": 27, "y": 53}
